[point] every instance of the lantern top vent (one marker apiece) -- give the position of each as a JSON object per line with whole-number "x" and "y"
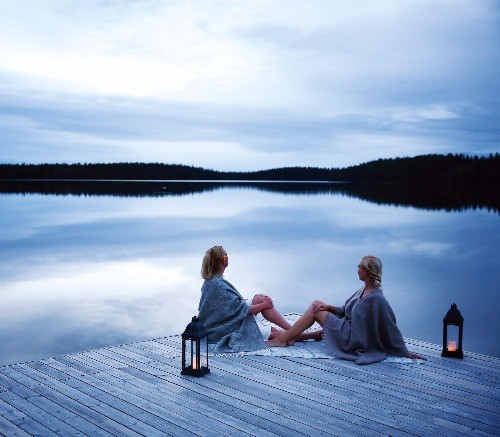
{"x": 195, "y": 329}
{"x": 453, "y": 315}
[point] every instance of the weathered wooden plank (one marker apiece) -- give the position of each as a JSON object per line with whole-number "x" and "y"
{"x": 471, "y": 355}
{"x": 461, "y": 368}
{"x": 138, "y": 397}
{"x": 147, "y": 374}
{"x": 51, "y": 407}
{"x": 70, "y": 399}
{"x": 165, "y": 349}
{"x": 445, "y": 377}
{"x": 347, "y": 391}
{"x": 379, "y": 394}
{"x": 174, "y": 401}
{"x": 290, "y": 408}
{"x": 427, "y": 390}
{"x": 137, "y": 388}
{"x": 358, "y": 418}
{"x": 348, "y": 401}
{"x": 137, "y": 418}
{"x": 8, "y": 428}
{"x": 479, "y": 393}
{"x": 175, "y": 370}
{"x": 435, "y": 407}
{"x": 401, "y": 368}
{"x": 448, "y": 382}
{"x": 23, "y": 421}
{"x": 31, "y": 410}
{"x": 470, "y": 362}
{"x": 210, "y": 394}
{"x": 390, "y": 393}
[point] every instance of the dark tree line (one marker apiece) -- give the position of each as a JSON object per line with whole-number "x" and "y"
{"x": 440, "y": 197}
{"x": 426, "y": 169}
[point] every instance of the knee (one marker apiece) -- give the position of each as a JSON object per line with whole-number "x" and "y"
{"x": 310, "y": 310}
{"x": 315, "y": 315}
{"x": 258, "y": 298}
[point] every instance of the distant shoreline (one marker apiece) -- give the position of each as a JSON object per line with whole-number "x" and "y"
{"x": 430, "y": 195}
{"x": 204, "y": 181}
{"x": 448, "y": 170}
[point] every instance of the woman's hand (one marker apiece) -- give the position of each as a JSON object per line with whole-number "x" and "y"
{"x": 262, "y": 298}
{"x": 318, "y": 305}
{"x": 267, "y": 303}
{"x": 260, "y": 303}
{"x": 270, "y": 301}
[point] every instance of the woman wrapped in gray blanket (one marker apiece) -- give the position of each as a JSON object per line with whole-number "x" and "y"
{"x": 364, "y": 330}
{"x": 229, "y": 318}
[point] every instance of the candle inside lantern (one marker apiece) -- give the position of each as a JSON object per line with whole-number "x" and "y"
{"x": 452, "y": 345}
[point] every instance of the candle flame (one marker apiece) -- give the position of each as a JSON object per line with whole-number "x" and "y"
{"x": 452, "y": 345}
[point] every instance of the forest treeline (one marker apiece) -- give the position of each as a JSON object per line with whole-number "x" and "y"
{"x": 442, "y": 169}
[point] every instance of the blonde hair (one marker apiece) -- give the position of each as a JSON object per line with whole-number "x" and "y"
{"x": 212, "y": 260}
{"x": 374, "y": 267}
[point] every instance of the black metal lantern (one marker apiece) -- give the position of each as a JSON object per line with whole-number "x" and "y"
{"x": 195, "y": 349}
{"x": 452, "y": 341}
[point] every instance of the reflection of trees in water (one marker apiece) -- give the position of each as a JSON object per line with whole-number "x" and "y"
{"x": 436, "y": 197}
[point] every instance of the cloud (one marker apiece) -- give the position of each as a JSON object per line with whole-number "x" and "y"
{"x": 264, "y": 84}
{"x": 432, "y": 249}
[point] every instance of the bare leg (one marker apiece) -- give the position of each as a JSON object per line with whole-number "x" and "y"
{"x": 274, "y": 316}
{"x": 315, "y": 335}
{"x": 305, "y": 321}
{"x": 271, "y": 314}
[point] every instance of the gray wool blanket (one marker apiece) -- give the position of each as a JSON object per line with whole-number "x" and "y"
{"x": 364, "y": 330}
{"x": 227, "y": 317}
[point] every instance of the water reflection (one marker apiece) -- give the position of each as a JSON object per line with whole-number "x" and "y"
{"x": 441, "y": 197}
{"x": 81, "y": 272}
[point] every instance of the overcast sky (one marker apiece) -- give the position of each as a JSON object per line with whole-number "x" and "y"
{"x": 247, "y": 85}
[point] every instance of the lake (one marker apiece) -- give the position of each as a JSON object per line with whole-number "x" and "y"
{"x": 113, "y": 263}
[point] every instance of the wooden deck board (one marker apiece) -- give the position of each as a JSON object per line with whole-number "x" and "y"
{"x": 137, "y": 389}
{"x": 175, "y": 402}
{"x": 201, "y": 390}
{"x": 385, "y": 404}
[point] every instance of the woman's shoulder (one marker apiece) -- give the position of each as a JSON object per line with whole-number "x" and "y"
{"x": 212, "y": 282}
{"x": 375, "y": 296}
{"x": 377, "y": 299}
{"x": 217, "y": 281}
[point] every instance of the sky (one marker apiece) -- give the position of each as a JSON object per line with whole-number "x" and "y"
{"x": 247, "y": 85}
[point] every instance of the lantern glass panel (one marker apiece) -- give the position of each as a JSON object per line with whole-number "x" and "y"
{"x": 452, "y": 338}
{"x": 204, "y": 352}
{"x": 195, "y": 358}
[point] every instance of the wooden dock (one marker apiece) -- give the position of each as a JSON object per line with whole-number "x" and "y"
{"x": 137, "y": 389}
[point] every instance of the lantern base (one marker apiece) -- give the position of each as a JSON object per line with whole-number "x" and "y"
{"x": 195, "y": 372}
{"x": 452, "y": 354}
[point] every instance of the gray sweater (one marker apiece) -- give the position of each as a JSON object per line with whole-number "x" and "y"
{"x": 364, "y": 330}
{"x": 227, "y": 317}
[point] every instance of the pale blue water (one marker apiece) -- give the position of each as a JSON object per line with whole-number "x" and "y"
{"x": 81, "y": 272}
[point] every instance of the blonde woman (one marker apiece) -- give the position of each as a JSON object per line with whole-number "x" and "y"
{"x": 363, "y": 330}
{"x": 229, "y": 318}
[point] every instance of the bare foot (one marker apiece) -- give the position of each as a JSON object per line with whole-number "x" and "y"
{"x": 275, "y": 342}
{"x": 412, "y": 355}
{"x": 318, "y": 335}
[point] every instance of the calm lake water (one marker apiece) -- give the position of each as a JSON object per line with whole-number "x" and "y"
{"x": 85, "y": 271}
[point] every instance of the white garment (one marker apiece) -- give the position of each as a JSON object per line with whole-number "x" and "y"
{"x": 264, "y": 326}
